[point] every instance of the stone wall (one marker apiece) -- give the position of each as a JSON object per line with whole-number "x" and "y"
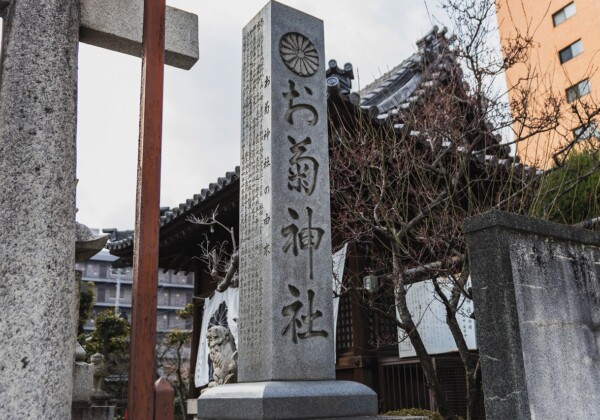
{"x": 537, "y": 301}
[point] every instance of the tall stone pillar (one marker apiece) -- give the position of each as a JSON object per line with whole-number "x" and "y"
{"x": 38, "y": 109}
{"x": 286, "y": 352}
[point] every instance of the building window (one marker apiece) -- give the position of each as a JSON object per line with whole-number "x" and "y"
{"x": 104, "y": 268}
{"x": 178, "y": 299}
{"x": 571, "y": 51}
{"x": 163, "y": 298}
{"x": 100, "y": 294}
{"x": 116, "y": 273}
{"x": 586, "y": 131}
{"x": 563, "y": 14}
{"x": 92, "y": 270}
{"x": 176, "y": 322}
{"x": 121, "y": 273}
{"x": 162, "y": 321}
{"x": 578, "y": 90}
{"x": 126, "y": 294}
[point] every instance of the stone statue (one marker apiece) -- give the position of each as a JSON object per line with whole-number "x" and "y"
{"x": 100, "y": 373}
{"x": 223, "y": 354}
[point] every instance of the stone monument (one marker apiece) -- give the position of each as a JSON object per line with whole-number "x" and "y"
{"x": 536, "y": 291}
{"x": 38, "y": 113}
{"x": 286, "y": 362}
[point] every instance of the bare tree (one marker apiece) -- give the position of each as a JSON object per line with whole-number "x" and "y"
{"x": 405, "y": 181}
{"x": 222, "y": 258}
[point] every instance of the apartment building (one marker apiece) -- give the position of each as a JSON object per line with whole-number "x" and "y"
{"x": 113, "y": 290}
{"x": 564, "y": 60}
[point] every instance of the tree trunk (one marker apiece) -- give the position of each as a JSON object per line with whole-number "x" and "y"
{"x": 469, "y": 360}
{"x": 424, "y": 357}
{"x": 180, "y": 384}
{"x": 410, "y": 329}
{"x": 473, "y": 392}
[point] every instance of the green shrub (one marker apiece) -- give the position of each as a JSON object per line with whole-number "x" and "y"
{"x": 567, "y": 198}
{"x": 111, "y": 336}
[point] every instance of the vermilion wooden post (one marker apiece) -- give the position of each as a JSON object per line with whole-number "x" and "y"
{"x": 145, "y": 250}
{"x": 164, "y": 400}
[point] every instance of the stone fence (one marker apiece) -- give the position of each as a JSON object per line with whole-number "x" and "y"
{"x": 536, "y": 291}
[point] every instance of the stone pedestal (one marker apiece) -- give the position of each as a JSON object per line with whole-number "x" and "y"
{"x": 83, "y": 383}
{"x": 93, "y": 413}
{"x": 192, "y": 409}
{"x": 288, "y": 400}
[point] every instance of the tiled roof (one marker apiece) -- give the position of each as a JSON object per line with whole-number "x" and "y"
{"x": 390, "y": 97}
{"x": 206, "y": 193}
{"x": 404, "y": 85}
{"x": 124, "y": 239}
{"x": 384, "y": 100}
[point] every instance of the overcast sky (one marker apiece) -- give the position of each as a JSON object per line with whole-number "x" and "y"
{"x": 201, "y": 122}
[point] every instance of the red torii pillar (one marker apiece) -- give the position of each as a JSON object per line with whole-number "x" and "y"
{"x": 145, "y": 252}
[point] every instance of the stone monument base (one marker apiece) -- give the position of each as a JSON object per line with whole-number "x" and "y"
{"x": 93, "y": 413}
{"x": 83, "y": 382}
{"x": 288, "y": 400}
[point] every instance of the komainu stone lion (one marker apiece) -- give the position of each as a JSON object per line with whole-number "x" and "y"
{"x": 223, "y": 354}
{"x": 100, "y": 372}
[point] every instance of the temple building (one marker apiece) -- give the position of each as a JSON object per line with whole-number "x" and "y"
{"x": 392, "y": 370}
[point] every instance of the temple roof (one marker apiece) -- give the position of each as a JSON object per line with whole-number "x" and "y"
{"x": 124, "y": 239}
{"x": 175, "y": 228}
{"x": 394, "y": 98}
{"x": 383, "y": 101}
{"x": 402, "y": 86}
{"x": 405, "y": 83}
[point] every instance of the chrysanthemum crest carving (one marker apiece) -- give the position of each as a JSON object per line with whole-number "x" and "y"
{"x": 299, "y": 54}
